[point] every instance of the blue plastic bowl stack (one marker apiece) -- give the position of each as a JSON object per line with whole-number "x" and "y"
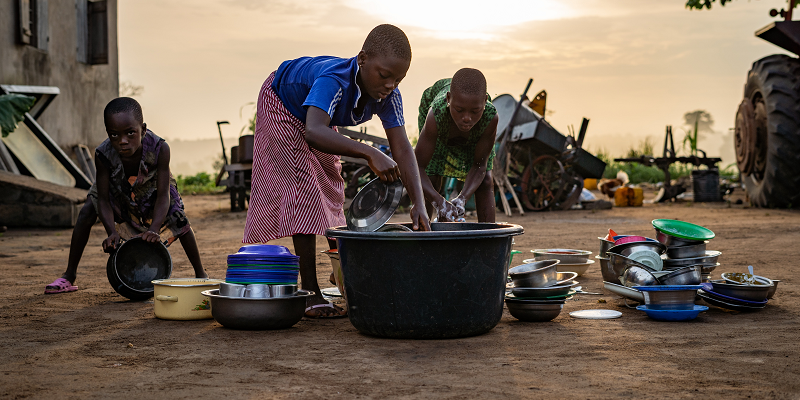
{"x": 263, "y": 264}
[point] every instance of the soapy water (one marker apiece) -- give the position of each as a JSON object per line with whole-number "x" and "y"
{"x": 450, "y": 211}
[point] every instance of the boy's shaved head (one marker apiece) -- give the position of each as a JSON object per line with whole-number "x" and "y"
{"x": 468, "y": 81}
{"x": 387, "y": 40}
{"x": 124, "y": 105}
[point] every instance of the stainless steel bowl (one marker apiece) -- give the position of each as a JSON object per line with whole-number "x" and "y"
{"x": 604, "y": 246}
{"x": 536, "y": 274}
{"x": 617, "y": 264}
{"x": 773, "y": 288}
{"x": 670, "y": 299}
{"x": 734, "y": 278}
{"x": 744, "y": 292}
{"x": 566, "y": 256}
{"x": 257, "y": 314}
{"x": 637, "y": 276}
{"x": 683, "y": 276}
{"x": 232, "y": 289}
{"x": 710, "y": 258}
{"x": 626, "y": 249}
{"x": 282, "y": 290}
{"x": 565, "y": 278}
{"x": 606, "y": 271}
{"x": 687, "y": 251}
{"x": 534, "y": 311}
{"x": 670, "y": 240}
{"x": 708, "y": 268}
{"x": 543, "y": 292}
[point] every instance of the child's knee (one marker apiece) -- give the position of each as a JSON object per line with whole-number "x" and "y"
{"x": 487, "y": 183}
{"x": 87, "y": 213}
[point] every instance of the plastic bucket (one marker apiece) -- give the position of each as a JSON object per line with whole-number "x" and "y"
{"x": 446, "y": 283}
{"x": 705, "y": 184}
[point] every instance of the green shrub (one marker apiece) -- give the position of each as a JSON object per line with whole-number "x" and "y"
{"x": 202, "y": 183}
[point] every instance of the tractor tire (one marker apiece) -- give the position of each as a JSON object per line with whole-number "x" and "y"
{"x": 767, "y": 133}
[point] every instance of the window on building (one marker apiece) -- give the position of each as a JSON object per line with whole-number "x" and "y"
{"x": 33, "y": 27}
{"x": 92, "y": 31}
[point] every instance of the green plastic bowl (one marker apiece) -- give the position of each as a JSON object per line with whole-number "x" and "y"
{"x": 683, "y": 230}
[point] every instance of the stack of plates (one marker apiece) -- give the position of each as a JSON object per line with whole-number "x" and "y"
{"x": 263, "y": 264}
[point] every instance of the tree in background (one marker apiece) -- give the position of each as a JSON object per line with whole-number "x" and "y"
{"x": 698, "y": 121}
{"x": 128, "y": 89}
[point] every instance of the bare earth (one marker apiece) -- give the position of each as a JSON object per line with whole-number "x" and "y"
{"x": 95, "y": 344}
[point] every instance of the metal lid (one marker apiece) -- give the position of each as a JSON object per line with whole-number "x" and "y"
{"x": 374, "y": 204}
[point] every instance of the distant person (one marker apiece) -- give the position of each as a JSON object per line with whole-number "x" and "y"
{"x": 134, "y": 195}
{"x": 297, "y": 187}
{"x": 457, "y": 124}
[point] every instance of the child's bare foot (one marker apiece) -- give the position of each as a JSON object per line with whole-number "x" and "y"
{"x": 317, "y": 307}
{"x": 201, "y": 275}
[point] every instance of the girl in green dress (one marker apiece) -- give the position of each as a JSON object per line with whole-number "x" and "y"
{"x": 457, "y": 124}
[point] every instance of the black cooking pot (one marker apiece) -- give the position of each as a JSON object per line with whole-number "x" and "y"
{"x": 449, "y": 282}
{"x": 135, "y": 264}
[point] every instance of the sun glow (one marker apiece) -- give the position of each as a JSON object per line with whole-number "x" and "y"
{"x": 468, "y": 17}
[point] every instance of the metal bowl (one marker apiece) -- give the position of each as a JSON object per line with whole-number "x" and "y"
{"x": 708, "y": 268}
{"x": 543, "y": 292}
{"x": 618, "y": 263}
{"x": 534, "y": 311}
{"x": 637, "y": 276}
{"x": 565, "y": 278}
{"x": 670, "y": 240}
{"x": 673, "y": 297}
{"x": 735, "y": 278}
{"x": 744, "y": 292}
{"x": 579, "y": 269}
{"x": 605, "y": 270}
{"x": 710, "y": 258}
{"x": 566, "y": 256}
{"x": 626, "y": 249}
{"x": 257, "y": 313}
{"x": 373, "y": 205}
{"x": 773, "y": 288}
{"x": 687, "y": 251}
{"x": 604, "y": 246}
{"x": 683, "y": 276}
{"x": 534, "y": 275}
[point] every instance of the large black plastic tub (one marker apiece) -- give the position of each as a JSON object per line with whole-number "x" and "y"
{"x": 446, "y": 283}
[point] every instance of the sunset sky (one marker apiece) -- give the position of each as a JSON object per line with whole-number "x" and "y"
{"x": 630, "y": 66}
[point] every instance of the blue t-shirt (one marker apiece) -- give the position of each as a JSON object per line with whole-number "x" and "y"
{"x": 329, "y": 83}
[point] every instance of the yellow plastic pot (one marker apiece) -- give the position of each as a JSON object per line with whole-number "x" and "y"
{"x": 181, "y": 298}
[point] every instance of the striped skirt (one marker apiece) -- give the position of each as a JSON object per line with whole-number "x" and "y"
{"x": 295, "y": 189}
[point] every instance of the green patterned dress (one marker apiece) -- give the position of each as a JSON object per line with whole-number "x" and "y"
{"x": 451, "y": 160}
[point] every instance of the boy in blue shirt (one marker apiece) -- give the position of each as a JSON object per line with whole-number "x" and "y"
{"x": 297, "y": 188}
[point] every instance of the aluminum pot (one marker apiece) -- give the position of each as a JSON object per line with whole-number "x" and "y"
{"x": 257, "y": 314}
{"x": 535, "y": 275}
{"x": 606, "y": 271}
{"x": 182, "y": 298}
{"x": 687, "y": 251}
{"x": 683, "y": 276}
{"x": 773, "y": 288}
{"x": 604, "y": 246}
{"x": 680, "y": 299}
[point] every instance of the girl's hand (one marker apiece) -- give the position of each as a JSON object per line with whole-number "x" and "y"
{"x": 151, "y": 237}
{"x": 111, "y": 242}
{"x": 419, "y": 219}
{"x": 458, "y": 203}
{"x": 383, "y": 166}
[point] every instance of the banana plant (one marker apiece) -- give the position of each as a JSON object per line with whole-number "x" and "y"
{"x": 12, "y": 110}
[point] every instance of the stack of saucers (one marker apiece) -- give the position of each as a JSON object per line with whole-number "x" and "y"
{"x": 263, "y": 264}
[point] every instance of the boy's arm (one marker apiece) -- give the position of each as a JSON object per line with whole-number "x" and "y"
{"x": 424, "y": 153}
{"x": 105, "y": 212}
{"x": 409, "y": 171}
{"x": 477, "y": 172}
{"x": 321, "y": 137}
{"x": 162, "y": 196}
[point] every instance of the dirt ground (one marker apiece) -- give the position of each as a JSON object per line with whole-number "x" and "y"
{"x": 94, "y": 343}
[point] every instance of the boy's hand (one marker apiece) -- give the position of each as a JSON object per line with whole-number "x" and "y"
{"x": 111, "y": 242}
{"x": 446, "y": 212}
{"x": 151, "y": 237}
{"x": 419, "y": 219}
{"x": 383, "y": 166}
{"x": 458, "y": 203}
